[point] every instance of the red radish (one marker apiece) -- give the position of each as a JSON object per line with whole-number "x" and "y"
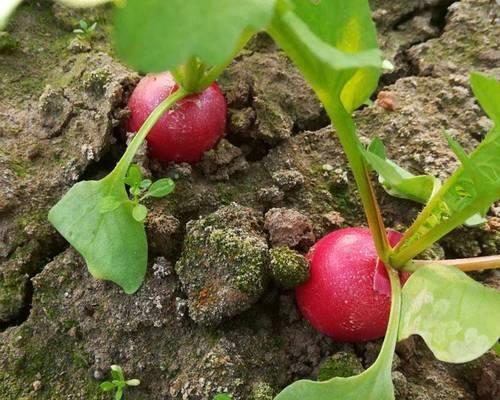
{"x": 347, "y": 295}
{"x": 186, "y": 131}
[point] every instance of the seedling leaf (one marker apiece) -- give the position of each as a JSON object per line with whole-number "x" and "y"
{"x": 140, "y": 212}
{"x": 222, "y": 396}
{"x": 117, "y": 373}
{"x": 161, "y": 188}
{"x": 448, "y": 308}
{"x": 145, "y": 183}
{"x": 178, "y": 30}
{"x": 113, "y": 243}
{"x": 134, "y": 176}
{"x": 133, "y": 382}
{"x": 373, "y": 384}
{"x": 107, "y": 386}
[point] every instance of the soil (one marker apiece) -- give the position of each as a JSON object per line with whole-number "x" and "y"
{"x": 277, "y": 182}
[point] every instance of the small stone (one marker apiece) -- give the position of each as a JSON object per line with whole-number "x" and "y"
{"x": 288, "y": 267}
{"x": 162, "y": 229}
{"x": 36, "y": 385}
{"x": 288, "y": 179}
{"x": 385, "y": 99}
{"x": 78, "y": 45}
{"x": 162, "y": 268}
{"x": 406, "y": 348}
{"x": 98, "y": 374}
{"x": 271, "y": 195}
{"x": 262, "y": 391}
{"x": 332, "y": 220}
{"x": 288, "y": 227}
{"x": 224, "y": 160}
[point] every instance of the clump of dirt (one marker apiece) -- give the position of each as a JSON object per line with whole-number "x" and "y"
{"x": 223, "y": 267}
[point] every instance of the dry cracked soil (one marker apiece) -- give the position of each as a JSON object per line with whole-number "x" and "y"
{"x": 275, "y": 184}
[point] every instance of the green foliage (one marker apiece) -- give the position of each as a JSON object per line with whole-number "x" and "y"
{"x": 397, "y": 181}
{"x": 470, "y": 190}
{"x": 180, "y": 30}
{"x": 112, "y": 242}
{"x": 401, "y": 183}
{"x": 334, "y": 44}
{"x": 458, "y": 317}
{"x": 85, "y": 29}
{"x": 222, "y": 396}
{"x": 119, "y": 383}
{"x": 100, "y": 221}
{"x": 373, "y": 384}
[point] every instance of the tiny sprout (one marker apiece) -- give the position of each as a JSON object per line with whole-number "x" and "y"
{"x": 222, "y": 396}
{"x": 85, "y": 29}
{"x": 141, "y": 189}
{"x": 119, "y": 383}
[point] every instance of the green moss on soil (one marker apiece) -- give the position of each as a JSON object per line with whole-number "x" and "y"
{"x": 288, "y": 267}
{"x": 342, "y": 364}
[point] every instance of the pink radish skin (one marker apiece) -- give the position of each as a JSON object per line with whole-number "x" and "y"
{"x": 347, "y": 296}
{"x": 193, "y": 126}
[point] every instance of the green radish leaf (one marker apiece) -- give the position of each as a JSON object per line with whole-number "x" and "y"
{"x": 133, "y": 382}
{"x": 373, "y": 384}
{"x": 399, "y": 182}
{"x": 140, "y": 212}
{"x": 119, "y": 393}
{"x": 134, "y": 176}
{"x": 177, "y": 30}
{"x": 107, "y": 386}
{"x": 108, "y": 204}
{"x": 469, "y": 191}
{"x": 448, "y": 308}
{"x": 334, "y": 44}
{"x": 161, "y": 188}
{"x": 396, "y": 180}
{"x": 117, "y": 373}
{"x": 487, "y": 92}
{"x": 113, "y": 243}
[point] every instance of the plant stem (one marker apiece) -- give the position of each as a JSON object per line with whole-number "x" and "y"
{"x": 121, "y": 168}
{"x": 464, "y": 264}
{"x": 387, "y": 351}
{"x": 403, "y": 254}
{"x": 346, "y": 131}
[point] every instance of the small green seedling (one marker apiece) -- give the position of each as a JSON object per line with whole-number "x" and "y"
{"x": 118, "y": 383}
{"x": 140, "y": 189}
{"x": 222, "y": 396}
{"x": 85, "y": 30}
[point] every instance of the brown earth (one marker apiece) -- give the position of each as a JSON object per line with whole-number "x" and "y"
{"x": 61, "y": 106}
